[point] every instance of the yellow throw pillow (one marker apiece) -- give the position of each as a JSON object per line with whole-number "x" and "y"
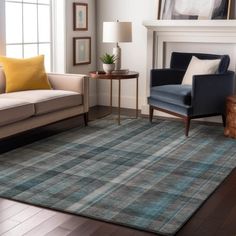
{"x": 24, "y": 74}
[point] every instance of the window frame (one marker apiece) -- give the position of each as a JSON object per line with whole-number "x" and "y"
{"x": 37, "y": 42}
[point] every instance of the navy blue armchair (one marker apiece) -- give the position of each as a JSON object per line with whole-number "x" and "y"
{"x": 205, "y": 97}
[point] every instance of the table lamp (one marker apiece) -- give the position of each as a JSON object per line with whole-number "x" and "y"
{"x": 117, "y": 32}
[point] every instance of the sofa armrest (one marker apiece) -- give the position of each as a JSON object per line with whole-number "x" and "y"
{"x": 166, "y": 76}
{"x": 209, "y": 92}
{"x": 71, "y": 82}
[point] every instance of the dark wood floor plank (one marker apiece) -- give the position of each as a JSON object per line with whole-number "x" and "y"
{"x": 86, "y": 229}
{"x": 59, "y": 232}
{"x": 224, "y": 207}
{"x": 31, "y": 223}
{"x": 104, "y": 229}
{"x": 190, "y": 227}
{"x": 208, "y": 229}
{"x": 124, "y": 232}
{"x": 12, "y": 210}
{"x": 229, "y": 224}
{"x": 4, "y": 204}
{"x": 73, "y": 223}
{"x": 112, "y": 229}
{"x": 8, "y": 225}
{"x": 26, "y": 214}
{"x": 48, "y": 225}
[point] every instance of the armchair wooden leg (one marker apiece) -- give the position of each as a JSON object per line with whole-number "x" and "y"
{"x": 86, "y": 119}
{"x": 224, "y": 119}
{"x": 150, "y": 113}
{"x": 187, "y": 125}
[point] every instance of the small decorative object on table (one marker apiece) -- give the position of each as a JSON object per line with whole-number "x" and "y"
{"x": 108, "y": 62}
{"x": 230, "y": 129}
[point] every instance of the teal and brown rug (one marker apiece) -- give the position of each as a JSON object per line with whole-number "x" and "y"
{"x": 141, "y": 175}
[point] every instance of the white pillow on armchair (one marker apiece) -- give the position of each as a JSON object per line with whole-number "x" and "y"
{"x": 200, "y": 67}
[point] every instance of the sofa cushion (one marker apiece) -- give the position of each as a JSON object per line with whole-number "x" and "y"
{"x": 174, "y": 94}
{"x": 46, "y": 101}
{"x": 12, "y": 110}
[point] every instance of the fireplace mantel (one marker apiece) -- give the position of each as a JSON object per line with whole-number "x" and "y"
{"x": 160, "y": 32}
{"x": 191, "y": 25}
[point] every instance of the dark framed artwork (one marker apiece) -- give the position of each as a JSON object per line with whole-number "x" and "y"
{"x": 194, "y": 9}
{"x": 81, "y": 50}
{"x": 80, "y": 16}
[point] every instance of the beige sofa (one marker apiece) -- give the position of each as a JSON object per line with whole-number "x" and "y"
{"x": 26, "y": 110}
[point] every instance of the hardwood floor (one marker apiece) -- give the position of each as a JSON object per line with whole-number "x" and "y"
{"x": 217, "y": 216}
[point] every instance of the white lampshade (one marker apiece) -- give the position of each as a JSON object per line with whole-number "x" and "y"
{"x": 115, "y": 32}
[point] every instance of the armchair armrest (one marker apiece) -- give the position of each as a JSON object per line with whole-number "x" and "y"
{"x": 209, "y": 92}
{"x": 166, "y": 76}
{"x": 71, "y": 82}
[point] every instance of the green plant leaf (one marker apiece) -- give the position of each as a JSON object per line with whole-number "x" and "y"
{"x": 108, "y": 58}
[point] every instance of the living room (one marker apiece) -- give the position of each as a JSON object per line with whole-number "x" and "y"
{"x": 117, "y": 117}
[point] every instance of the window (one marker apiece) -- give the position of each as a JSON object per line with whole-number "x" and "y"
{"x": 28, "y": 29}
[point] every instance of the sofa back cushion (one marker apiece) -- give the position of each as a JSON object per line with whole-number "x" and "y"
{"x": 181, "y": 60}
{"x": 2, "y": 81}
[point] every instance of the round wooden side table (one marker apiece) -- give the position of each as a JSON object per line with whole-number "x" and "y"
{"x": 230, "y": 129}
{"x": 119, "y": 76}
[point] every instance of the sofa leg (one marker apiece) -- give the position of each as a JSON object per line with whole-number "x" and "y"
{"x": 187, "y": 125}
{"x": 224, "y": 119}
{"x": 150, "y": 113}
{"x": 86, "y": 119}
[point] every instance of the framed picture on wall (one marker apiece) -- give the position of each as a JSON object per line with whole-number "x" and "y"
{"x": 81, "y": 50}
{"x": 80, "y": 16}
{"x": 194, "y": 10}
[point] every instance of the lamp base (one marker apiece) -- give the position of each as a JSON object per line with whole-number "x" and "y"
{"x": 117, "y": 53}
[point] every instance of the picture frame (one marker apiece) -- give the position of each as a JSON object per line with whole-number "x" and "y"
{"x": 81, "y": 50}
{"x": 194, "y": 10}
{"x": 159, "y": 3}
{"x": 80, "y": 16}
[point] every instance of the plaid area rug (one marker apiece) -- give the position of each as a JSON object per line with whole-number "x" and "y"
{"x": 142, "y": 175}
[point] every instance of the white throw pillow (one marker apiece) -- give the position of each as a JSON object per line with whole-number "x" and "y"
{"x": 200, "y": 67}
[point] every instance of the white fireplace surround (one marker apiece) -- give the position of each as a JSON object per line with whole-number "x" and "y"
{"x": 161, "y": 32}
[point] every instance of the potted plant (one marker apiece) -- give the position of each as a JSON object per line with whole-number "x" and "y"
{"x": 108, "y": 62}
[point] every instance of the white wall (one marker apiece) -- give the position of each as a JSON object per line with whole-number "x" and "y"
{"x": 81, "y": 69}
{"x": 2, "y": 27}
{"x": 59, "y": 36}
{"x": 133, "y": 54}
